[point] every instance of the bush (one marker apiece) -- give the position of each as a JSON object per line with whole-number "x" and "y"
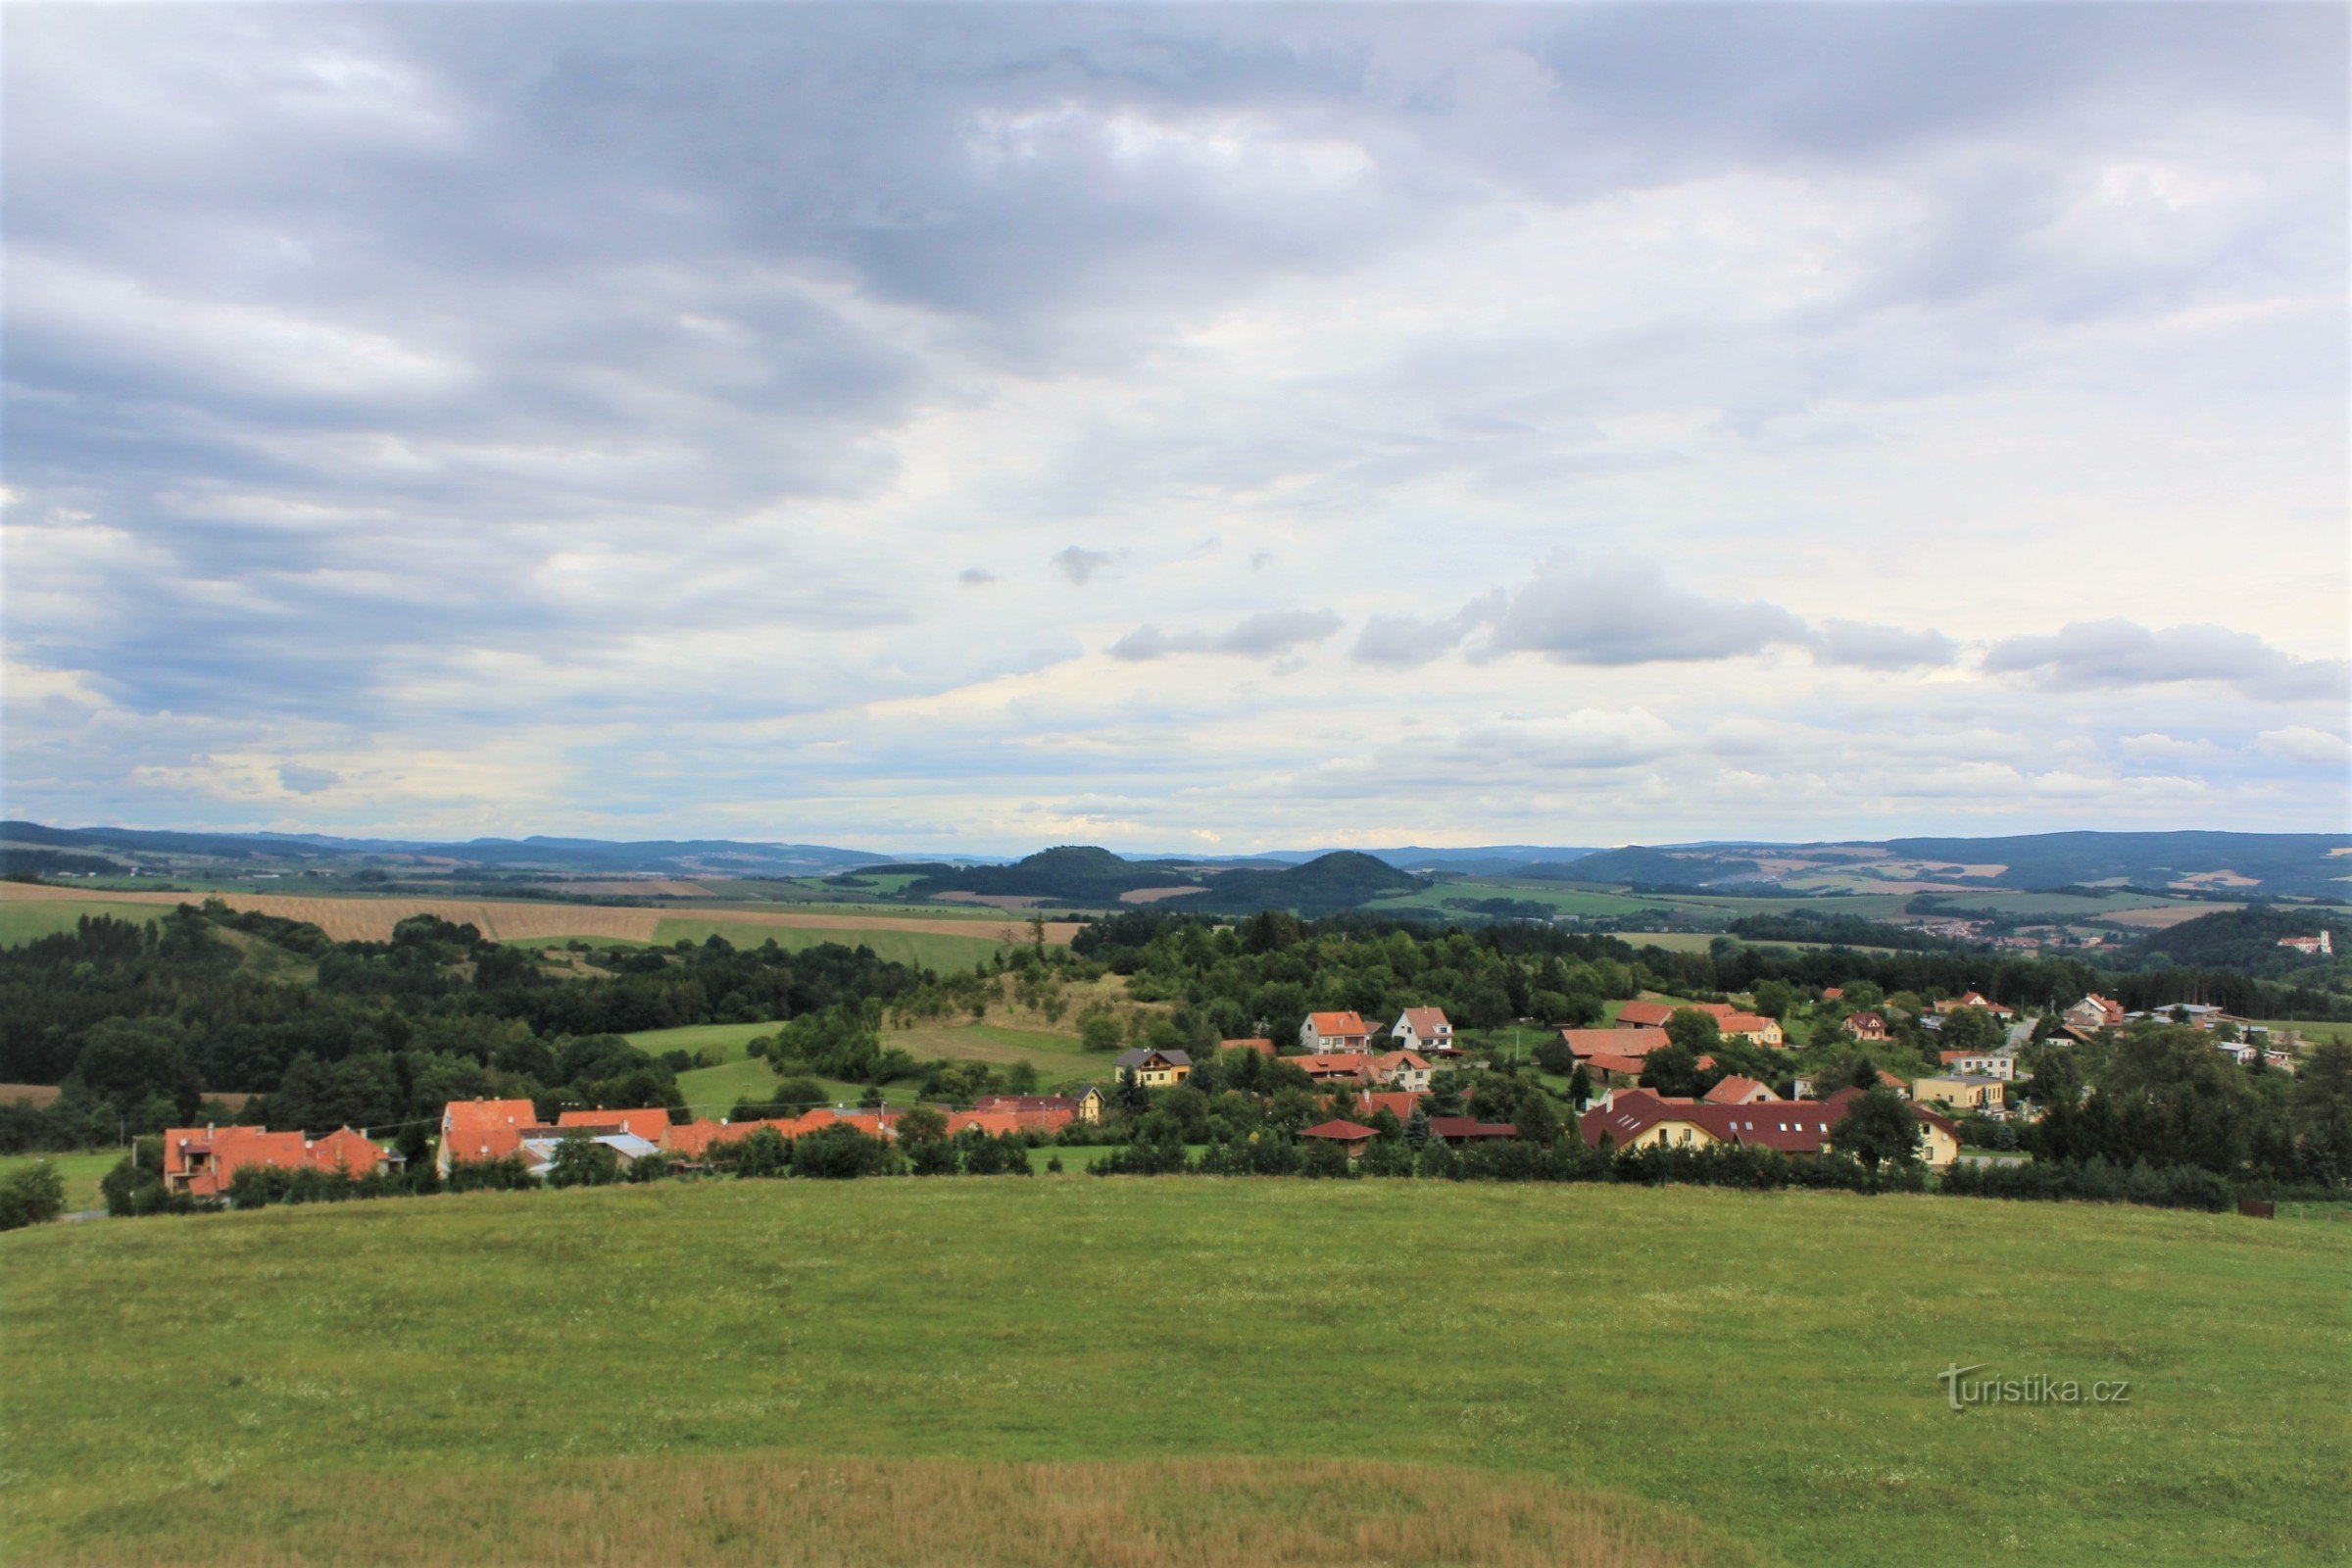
{"x": 31, "y": 1194}
{"x": 841, "y": 1153}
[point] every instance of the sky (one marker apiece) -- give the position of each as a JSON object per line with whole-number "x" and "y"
{"x": 1176, "y": 428}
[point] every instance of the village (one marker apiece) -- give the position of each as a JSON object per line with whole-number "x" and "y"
{"x": 1342, "y": 1083}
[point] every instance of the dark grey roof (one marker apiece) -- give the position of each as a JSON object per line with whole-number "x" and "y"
{"x": 1136, "y": 1059}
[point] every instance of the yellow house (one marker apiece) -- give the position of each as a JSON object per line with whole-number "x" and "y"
{"x": 1962, "y": 1092}
{"x": 1156, "y": 1069}
{"x": 1638, "y": 1119}
{"x": 1089, "y": 1103}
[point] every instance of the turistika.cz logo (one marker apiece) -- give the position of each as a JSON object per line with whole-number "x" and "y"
{"x": 2034, "y": 1388}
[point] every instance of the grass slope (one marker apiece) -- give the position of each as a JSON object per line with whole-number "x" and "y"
{"x": 944, "y": 951}
{"x": 1764, "y": 1363}
{"x": 27, "y": 920}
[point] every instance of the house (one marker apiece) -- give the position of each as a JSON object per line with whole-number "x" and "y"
{"x": 477, "y": 1131}
{"x": 1639, "y": 1119}
{"x": 202, "y": 1161}
{"x": 1422, "y": 1029}
{"x": 1979, "y": 1063}
{"x": 2320, "y": 947}
{"x": 1401, "y": 1069}
{"x": 1939, "y": 1135}
{"x": 1753, "y": 1027}
{"x": 538, "y": 1144}
{"x": 1337, "y": 1066}
{"x": 1470, "y": 1130}
{"x": 1089, "y": 1103}
{"x": 1738, "y": 1091}
{"x": 1613, "y": 1072}
{"x": 1031, "y": 1113}
{"x": 1326, "y": 1033}
{"x": 1586, "y": 1043}
{"x": 2094, "y": 1011}
{"x": 649, "y": 1125}
{"x": 1868, "y": 1027}
{"x": 1258, "y": 1042}
{"x": 1952, "y": 1004}
{"x": 1833, "y": 993}
{"x": 1351, "y": 1137}
{"x": 1963, "y": 1092}
{"x": 1730, "y": 1021}
{"x": 1801, "y": 1130}
{"x": 1156, "y": 1069}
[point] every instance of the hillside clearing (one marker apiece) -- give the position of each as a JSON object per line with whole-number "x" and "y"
{"x": 1763, "y": 1363}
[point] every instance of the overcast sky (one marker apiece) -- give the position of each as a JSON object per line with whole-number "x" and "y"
{"x": 1177, "y": 428}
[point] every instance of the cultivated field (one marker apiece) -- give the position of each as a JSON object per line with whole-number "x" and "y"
{"x": 867, "y": 1373}
{"x": 41, "y": 909}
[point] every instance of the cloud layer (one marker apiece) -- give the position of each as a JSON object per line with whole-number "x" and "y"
{"x": 1176, "y": 425}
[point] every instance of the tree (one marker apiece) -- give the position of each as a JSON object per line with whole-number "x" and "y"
{"x": 1879, "y": 1126}
{"x": 1132, "y": 1094}
{"x": 31, "y": 1194}
{"x": 1696, "y": 1032}
{"x": 1580, "y": 1087}
{"x": 1538, "y": 1121}
{"x": 131, "y": 1064}
{"x": 581, "y": 1161}
{"x": 1672, "y": 1070}
{"x": 1774, "y": 998}
{"x": 1417, "y": 1127}
{"x": 1969, "y": 1029}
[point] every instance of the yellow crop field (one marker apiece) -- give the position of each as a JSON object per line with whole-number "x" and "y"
{"x": 368, "y": 919}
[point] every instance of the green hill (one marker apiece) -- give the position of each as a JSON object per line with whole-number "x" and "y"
{"x": 483, "y": 1378}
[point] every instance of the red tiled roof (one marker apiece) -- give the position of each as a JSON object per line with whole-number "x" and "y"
{"x": 205, "y": 1159}
{"x": 1339, "y": 1132}
{"x": 1735, "y": 1089}
{"x": 1332, "y": 1064}
{"x": 1397, "y": 1102}
{"x": 476, "y": 1130}
{"x": 1639, "y": 1042}
{"x": 649, "y": 1124}
{"x": 1428, "y": 1021}
{"x": 1336, "y": 1024}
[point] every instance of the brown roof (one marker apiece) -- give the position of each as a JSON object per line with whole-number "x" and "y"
{"x": 1639, "y": 1042}
{"x": 1339, "y": 1132}
{"x": 1427, "y": 1022}
{"x": 1329, "y": 1065}
{"x": 1469, "y": 1129}
{"x": 1734, "y": 1087}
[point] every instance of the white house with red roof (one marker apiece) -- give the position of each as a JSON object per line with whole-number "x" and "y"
{"x": 1334, "y": 1033}
{"x": 1422, "y": 1029}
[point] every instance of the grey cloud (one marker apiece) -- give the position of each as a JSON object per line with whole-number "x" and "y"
{"x": 975, "y": 576}
{"x": 1874, "y": 647}
{"x": 304, "y": 780}
{"x": 1403, "y": 641}
{"x": 2094, "y": 653}
{"x": 1274, "y": 631}
{"x": 1080, "y": 566}
{"x": 1620, "y": 611}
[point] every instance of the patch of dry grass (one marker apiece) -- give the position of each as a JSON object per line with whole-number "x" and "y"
{"x": 785, "y": 1511}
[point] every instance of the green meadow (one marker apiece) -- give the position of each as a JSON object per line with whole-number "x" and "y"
{"x": 419, "y": 1381}
{"x": 29, "y": 919}
{"x": 943, "y": 950}
{"x": 1056, "y": 1058}
{"x": 81, "y": 1173}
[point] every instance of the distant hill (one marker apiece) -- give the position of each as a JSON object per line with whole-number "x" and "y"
{"x": 1334, "y": 882}
{"x": 1070, "y": 874}
{"x": 668, "y": 855}
{"x": 1083, "y": 874}
{"x": 2248, "y": 940}
{"x": 2267, "y": 864}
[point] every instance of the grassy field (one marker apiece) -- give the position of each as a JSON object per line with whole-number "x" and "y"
{"x": 417, "y": 1381}
{"x": 2312, "y": 1032}
{"x": 944, "y": 950}
{"x": 27, "y": 920}
{"x": 82, "y": 1172}
{"x": 1056, "y": 1058}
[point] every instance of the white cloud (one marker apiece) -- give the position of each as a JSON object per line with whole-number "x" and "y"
{"x": 2086, "y": 655}
{"x": 2300, "y": 742}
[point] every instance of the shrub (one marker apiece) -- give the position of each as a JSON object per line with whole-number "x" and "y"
{"x": 31, "y": 1194}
